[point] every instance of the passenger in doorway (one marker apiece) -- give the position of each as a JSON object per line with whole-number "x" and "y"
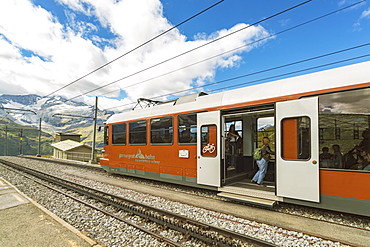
{"x": 263, "y": 162}
{"x": 337, "y": 156}
{"x": 325, "y": 158}
{"x": 232, "y": 137}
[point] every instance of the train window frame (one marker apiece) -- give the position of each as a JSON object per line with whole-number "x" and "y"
{"x": 190, "y": 128}
{"x": 106, "y": 135}
{"x": 301, "y": 150}
{"x": 165, "y": 132}
{"x": 208, "y": 148}
{"x": 121, "y": 131}
{"x": 138, "y": 133}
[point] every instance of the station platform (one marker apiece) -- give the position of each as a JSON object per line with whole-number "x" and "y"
{"x": 26, "y": 223}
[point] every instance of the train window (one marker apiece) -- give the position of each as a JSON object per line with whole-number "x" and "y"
{"x": 265, "y": 128}
{"x": 209, "y": 140}
{"x": 296, "y": 138}
{"x": 187, "y": 128}
{"x": 119, "y": 134}
{"x": 137, "y": 134}
{"x": 161, "y": 130}
{"x": 106, "y": 135}
{"x": 238, "y": 127}
{"x": 344, "y": 130}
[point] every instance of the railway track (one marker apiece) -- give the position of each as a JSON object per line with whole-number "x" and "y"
{"x": 206, "y": 233}
{"x": 284, "y": 209}
{"x": 90, "y": 167}
{"x": 232, "y": 216}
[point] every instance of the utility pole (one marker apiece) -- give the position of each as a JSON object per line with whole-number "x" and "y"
{"x": 6, "y": 140}
{"x": 39, "y": 144}
{"x": 21, "y": 131}
{"x": 20, "y": 142}
{"x": 93, "y": 158}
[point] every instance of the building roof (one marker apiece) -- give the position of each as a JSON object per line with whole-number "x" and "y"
{"x": 68, "y": 145}
{"x": 66, "y": 134}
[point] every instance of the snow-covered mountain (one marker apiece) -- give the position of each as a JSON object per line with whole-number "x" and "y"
{"x": 265, "y": 127}
{"x": 38, "y": 107}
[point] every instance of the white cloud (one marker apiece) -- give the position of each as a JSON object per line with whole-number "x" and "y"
{"x": 59, "y": 53}
{"x": 366, "y": 14}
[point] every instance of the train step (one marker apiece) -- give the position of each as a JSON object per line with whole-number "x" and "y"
{"x": 253, "y": 200}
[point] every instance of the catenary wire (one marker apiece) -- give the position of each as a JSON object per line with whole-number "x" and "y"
{"x": 294, "y": 72}
{"x": 271, "y": 69}
{"x": 262, "y": 71}
{"x": 134, "y": 49}
{"x": 191, "y": 50}
{"x": 238, "y": 48}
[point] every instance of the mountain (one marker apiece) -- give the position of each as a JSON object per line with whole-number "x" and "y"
{"x": 53, "y": 112}
{"x": 18, "y": 139}
{"x": 265, "y": 127}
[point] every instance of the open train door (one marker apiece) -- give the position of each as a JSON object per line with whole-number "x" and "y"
{"x": 297, "y": 166}
{"x": 208, "y": 148}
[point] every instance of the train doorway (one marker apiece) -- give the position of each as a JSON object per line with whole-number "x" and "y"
{"x": 242, "y": 133}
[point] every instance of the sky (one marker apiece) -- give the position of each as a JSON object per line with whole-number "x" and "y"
{"x": 50, "y": 47}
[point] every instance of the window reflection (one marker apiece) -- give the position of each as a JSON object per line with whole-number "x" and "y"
{"x": 119, "y": 133}
{"x": 187, "y": 128}
{"x": 344, "y": 120}
{"x": 137, "y": 132}
{"x": 161, "y": 130}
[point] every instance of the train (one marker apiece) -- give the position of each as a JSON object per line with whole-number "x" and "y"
{"x": 318, "y": 125}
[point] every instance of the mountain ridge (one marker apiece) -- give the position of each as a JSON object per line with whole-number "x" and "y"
{"x": 32, "y": 107}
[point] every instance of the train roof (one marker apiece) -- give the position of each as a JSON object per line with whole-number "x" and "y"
{"x": 338, "y": 77}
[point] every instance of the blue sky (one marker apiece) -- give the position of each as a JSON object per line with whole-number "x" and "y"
{"x": 57, "y": 42}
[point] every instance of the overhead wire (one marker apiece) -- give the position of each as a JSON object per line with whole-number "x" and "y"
{"x": 191, "y": 50}
{"x": 134, "y": 49}
{"x": 258, "y": 72}
{"x": 240, "y": 47}
{"x": 157, "y": 36}
{"x": 294, "y": 72}
{"x": 273, "y": 68}
{"x": 263, "y": 71}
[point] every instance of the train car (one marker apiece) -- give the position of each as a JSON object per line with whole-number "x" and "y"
{"x": 318, "y": 125}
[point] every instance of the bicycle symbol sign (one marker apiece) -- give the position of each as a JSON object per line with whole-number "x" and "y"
{"x": 209, "y": 148}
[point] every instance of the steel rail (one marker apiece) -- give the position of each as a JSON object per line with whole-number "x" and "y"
{"x": 154, "y": 234}
{"x": 63, "y": 163}
{"x": 204, "y": 232}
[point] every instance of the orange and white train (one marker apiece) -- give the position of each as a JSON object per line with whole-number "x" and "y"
{"x": 318, "y": 125}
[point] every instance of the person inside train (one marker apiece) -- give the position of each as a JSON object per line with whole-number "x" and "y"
{"x": 157, "y": 138}
{"x": 263, "y": 162}
{"x": 367, "y": 158}
{"x": 325, "y": 158}
{"x": 362, "y": 161}
{"x": 185, "y": 137}
{"x": 365, "y": 143}
{"x": 232, "y": 137}
{"x": 337, "y": 156}
{"x": 356, "y": 156}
